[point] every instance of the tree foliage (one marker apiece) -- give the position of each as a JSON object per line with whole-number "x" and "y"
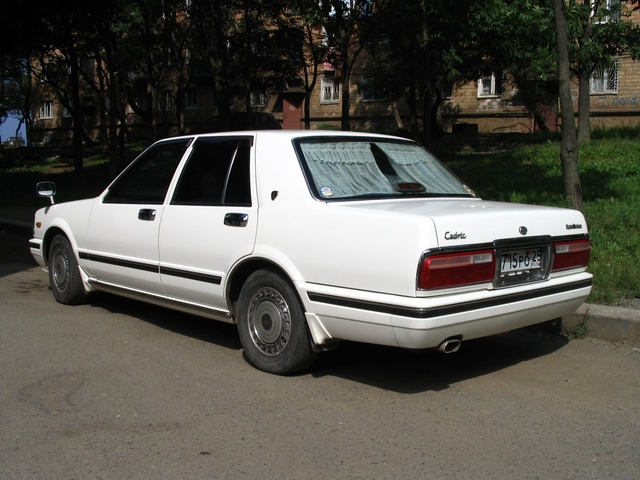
{"x": 421, "y": 49}
{"x": 148, "y": 54}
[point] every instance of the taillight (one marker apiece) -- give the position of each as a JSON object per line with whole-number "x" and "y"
{"x": 456, "y": 269}
{"x": 572, "y": 254}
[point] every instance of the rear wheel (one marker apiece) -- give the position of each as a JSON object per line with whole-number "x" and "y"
{"x": 64, "y": 276}
{"x": 271, "y": 324}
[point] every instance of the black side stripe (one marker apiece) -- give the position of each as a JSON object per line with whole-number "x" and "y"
{"x": 120, "y": 263}
{"x": 199, "y": 277}
{"x": 449, "y": 309}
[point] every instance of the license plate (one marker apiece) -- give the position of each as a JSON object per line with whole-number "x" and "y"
{"x": 518, "y": 260}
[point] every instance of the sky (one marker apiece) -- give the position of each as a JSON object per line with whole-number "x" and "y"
{"x": 8, "y": 129}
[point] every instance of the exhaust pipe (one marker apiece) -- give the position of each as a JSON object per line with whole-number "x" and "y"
{"x": 450, "y": 345}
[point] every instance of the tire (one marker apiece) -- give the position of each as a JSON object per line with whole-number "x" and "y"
{"x": 64, "y": 276}
{"x": 272, "y": 326}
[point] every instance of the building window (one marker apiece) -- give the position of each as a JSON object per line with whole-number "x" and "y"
{"x": 605, "y": 11}
{"x": 605, "y": 81}
{"x": 139, "y": 99}
{"x": 446, "y": 90}
{"x": 46, "y": 110}
{"x": 191, "y": 98}
{"x": 372, "y": 91}
{"x": 330, "y": 90}
{"x": 258, "y": 98}
{"x": 259, "y": 46}
{"x": 490, "y": 85}
{"x": 66, "y": 113}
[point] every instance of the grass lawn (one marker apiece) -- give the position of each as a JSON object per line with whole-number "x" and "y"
{"x": 521, "y": 168}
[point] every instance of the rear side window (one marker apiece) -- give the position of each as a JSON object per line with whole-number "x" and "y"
{"x": 147, "y": 180}
{"x": 216, "y": 173}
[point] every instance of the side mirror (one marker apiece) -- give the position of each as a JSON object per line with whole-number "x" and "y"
{"x": 46, "y": 189}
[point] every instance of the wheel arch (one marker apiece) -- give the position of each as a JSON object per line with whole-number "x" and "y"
{"x": 49, "y": 235}
{"x": 241, "y": 272}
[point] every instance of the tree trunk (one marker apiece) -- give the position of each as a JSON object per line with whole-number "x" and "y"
{"x": 427, "y": 126}
{"x": 569, "y": 146}
{"x": 584, "y": 107}
{"x": 78, "y": 129}
{"x": 396, "y": 115}
{"x": 346, "y": 101}
{"x": 308, "y": 89}
{"x": 584, "y": 99}
{"x": 114, "y": 166}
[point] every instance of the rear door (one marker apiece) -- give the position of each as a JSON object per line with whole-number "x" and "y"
{"x": 210, "y": 222}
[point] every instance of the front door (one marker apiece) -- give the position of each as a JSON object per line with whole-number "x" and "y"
{"x": 122, "y": 243}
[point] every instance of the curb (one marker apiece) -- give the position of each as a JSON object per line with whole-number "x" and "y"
{"x": 613, "y": 324}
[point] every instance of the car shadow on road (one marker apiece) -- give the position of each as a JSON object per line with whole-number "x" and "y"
{"x": 14, "y": 254}
{"x": 389, "y": 368}
{"x": 199, "y": 328}
{"x": 411, "y": 372}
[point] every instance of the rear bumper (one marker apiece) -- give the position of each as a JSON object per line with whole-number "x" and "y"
{"x": 418, "y": 323}
{"x": 484, "y": 318}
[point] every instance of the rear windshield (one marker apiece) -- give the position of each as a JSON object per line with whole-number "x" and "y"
{"x": 347, "y": 168}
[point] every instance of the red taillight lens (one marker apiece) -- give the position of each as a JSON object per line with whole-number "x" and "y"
{"x": 572, "y": 254}
{"x": 456, "y": 269}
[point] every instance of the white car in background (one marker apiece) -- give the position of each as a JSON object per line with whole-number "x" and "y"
{"x": 307, "y": 238}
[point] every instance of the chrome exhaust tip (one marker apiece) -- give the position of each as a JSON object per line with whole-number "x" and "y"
{"x": 450, "y": 345}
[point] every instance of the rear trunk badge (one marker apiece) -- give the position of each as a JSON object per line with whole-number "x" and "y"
{"x": 523, "y": 230}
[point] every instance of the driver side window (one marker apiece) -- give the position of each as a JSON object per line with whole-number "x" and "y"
{"x": 147, "y": 180}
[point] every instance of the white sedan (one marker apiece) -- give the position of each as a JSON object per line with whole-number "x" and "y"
{"x": 307, "y": 238}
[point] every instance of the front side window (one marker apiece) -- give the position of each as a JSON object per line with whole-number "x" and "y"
{"x": 147, "y": 180}
{"x": 343, "y": 169}
{"x": 605, "y": 81}
{"x": 217, "y": 173}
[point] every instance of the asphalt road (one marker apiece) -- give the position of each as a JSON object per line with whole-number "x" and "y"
{"x": 120, "y": 390}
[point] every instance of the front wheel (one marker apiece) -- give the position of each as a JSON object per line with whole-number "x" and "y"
{"x": 64, "y": 276}
{"x": 271, "y": 324}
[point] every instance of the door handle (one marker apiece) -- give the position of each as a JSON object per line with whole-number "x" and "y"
{"x": 236, "y": 219}
{"x": 147, "y": 214}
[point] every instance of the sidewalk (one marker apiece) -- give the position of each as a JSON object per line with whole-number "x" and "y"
{"x": 613, "y": 324}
